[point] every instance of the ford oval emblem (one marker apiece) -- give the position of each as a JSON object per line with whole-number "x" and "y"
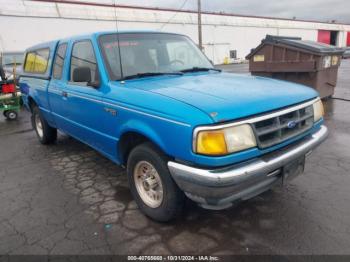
{"x": 291, "y": 124}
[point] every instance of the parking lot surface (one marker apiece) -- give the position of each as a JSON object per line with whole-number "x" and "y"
{"x": 68, "y": 199}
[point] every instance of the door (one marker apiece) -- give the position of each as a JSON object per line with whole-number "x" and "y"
{"x": 56, "y": 87}
{"x": 348, "y": 40}
{"x": 334, "y": 38}
{"x": 83, "y": 102}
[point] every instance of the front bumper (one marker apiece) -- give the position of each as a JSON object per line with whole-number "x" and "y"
{"x": 219, "y": 188}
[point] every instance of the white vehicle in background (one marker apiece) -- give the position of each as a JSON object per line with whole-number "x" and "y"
{"x": 11, "y": 60}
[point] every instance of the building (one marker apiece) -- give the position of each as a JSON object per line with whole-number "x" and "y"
{"x": 225, "y": 36}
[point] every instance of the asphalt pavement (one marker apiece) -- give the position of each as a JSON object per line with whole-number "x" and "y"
{"x": 68, "y": 199}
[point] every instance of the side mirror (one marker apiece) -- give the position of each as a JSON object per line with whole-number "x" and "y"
{"x": 83, "y": 74}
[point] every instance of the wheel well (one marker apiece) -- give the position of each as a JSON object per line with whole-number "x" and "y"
{"x": 127, "y": 142}
{"x": 31, "y": 103}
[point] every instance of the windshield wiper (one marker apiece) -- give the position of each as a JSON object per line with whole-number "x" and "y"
{"x": 199, "y": 69}
{"x": 140, "y": 75}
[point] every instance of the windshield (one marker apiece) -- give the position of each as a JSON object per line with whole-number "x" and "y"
{"x": 10, "y": 59}
{"x": 150, "y": 53}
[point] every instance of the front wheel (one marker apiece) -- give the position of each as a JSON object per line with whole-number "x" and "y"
{"x": 46, "y": 134}
{"x": 151, "y": 184}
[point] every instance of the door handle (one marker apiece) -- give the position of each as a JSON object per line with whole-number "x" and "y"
{"x": 64, "y": 94}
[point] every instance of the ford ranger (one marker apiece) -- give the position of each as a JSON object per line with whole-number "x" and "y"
{"x": 154, "y": 103}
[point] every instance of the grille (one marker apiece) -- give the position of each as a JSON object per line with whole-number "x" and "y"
{"x": 278, "y": 129}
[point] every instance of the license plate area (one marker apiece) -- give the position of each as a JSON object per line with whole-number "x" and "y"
{"x": 293, "y": 169}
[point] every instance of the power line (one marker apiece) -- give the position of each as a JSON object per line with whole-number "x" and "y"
{"x": 173, "y": 16}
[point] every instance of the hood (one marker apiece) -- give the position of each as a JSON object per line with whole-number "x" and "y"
{"x": 226, "y": 96}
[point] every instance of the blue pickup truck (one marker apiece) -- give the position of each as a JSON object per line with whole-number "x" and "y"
{"x": 154, "y": 103}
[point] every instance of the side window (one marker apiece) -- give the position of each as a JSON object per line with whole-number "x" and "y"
{"x": 83, "y": 56}
{"x": 37, "y": 61}
{"x": 59, "y": 61}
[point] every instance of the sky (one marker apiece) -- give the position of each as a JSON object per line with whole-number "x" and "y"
{"x": 320, "y": 10}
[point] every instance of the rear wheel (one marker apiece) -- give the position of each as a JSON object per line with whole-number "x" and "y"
{"x": 11, "y": 114}
{"x": 45, "y": 133}
{"x": 151, "y": 184}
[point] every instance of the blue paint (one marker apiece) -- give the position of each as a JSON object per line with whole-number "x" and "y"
{"x": 165, "y": 109}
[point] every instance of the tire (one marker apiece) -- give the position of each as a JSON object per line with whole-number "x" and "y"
{"x": 172, "y": 201}
{"x": 11, "y": 115}
{"x": 46, "y": 134}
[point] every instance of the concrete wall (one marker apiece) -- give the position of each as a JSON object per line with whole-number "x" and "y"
{"x": 34, "y": 22}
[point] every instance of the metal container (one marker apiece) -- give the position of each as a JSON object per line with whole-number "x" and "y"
{"x": 302, "y": 61}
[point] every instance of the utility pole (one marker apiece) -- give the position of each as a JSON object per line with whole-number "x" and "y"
{"x": 200, "y": 25}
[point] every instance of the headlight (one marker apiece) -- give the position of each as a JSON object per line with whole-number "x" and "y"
{"x": 224, "y": 141}
{"x": 318, "y": 110}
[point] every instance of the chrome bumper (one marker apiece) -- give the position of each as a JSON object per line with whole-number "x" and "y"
{"x": 218, "y": 188}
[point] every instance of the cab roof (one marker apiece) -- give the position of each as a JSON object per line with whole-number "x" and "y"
{"x": 53, "y": 44}
{"x": 97, "y": 34}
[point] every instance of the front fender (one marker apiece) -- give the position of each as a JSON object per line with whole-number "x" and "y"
{"x": 173, "y": 139}
{"x": 144, "y": 129}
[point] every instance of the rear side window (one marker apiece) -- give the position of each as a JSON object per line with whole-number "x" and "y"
{"x": 37, "y": 61}
{"x": 59, "y": 61}
{"x": 83, "y": 56}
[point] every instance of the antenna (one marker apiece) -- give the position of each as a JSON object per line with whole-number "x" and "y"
{"x": 115, "y": 14}
{"x": 117, "y": 28}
